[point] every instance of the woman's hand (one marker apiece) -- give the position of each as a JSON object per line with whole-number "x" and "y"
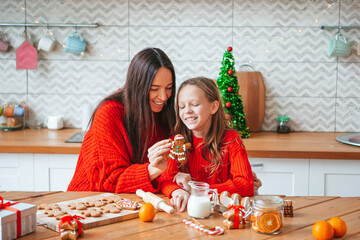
{"x": 157, "y": 158}
{"x": 257, "y": 182}
{"x": 179, "y": 199}
{"x": 182, "y": 180}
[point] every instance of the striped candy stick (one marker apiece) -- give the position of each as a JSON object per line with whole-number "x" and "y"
{"x": 206, "y": 229}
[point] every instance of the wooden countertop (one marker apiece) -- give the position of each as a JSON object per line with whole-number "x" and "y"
{"x": 320, "y": 145}
{"x": 307, "y": 211}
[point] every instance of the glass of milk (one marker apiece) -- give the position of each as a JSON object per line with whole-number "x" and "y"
{"x": 199, "y": 205}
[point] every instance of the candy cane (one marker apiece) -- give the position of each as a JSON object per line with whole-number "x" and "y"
{"x": 206, "y": 229}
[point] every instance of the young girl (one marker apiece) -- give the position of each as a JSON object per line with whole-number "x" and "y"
{"x": 218, "y": 155}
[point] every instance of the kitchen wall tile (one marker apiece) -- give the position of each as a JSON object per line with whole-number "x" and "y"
{"x": 281, "y": 45}
{"x": 348, "y": 114}
{"x": 285, "y": 13}
{"x": 12, "y": 11}
{"x": 298, "y": 79}
{"x": 306, "y": 114}
{"x": 105, "y": 12}
{"x": 349, "y": 13}
{"x": 70, "y": 106}
{"x": 182, "y": 43}
{"x": 103, "y": 43}
{"x": 13, "y": 97}
{"x": 348, "y": 80}
{"x": 77, "y": 77}
{"x": 11, "y": 80}
{"x": 186, "y": 70}
{"x": 181, "y": 13}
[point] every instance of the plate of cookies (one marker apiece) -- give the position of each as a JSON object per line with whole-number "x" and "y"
{"x": 97, "y": 210}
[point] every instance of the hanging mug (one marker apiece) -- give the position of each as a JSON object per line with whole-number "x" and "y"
{"x": 74, "y": 44}
{"x": 47, "y": 42}
{"x": 3, "y": 43}
{"x": 339, "y": 48}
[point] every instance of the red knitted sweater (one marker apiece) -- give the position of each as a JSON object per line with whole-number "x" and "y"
{"x": 233, "y": 175}
{"x": 104, "y": 162}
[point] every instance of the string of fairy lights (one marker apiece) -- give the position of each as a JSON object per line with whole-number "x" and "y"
{"x": 328, "y": 5}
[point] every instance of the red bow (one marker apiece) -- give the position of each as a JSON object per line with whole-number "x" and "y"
{"x": 237, "y": 209}
{"x": 68, "y": 220}
{"x": 6, "y": 206}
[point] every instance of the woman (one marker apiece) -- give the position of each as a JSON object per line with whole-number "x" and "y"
{"x": 115, "y": 155}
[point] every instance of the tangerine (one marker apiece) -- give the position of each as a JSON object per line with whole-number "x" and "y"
{"x": 322, "y": 230}
{"x": 147, "y": 212}
{"x": 339, "y": 226}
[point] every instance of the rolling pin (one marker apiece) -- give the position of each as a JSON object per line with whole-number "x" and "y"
{"x": 156, "y": 201}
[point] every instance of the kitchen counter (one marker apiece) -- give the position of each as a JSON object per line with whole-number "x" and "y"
{"x": 307, "y": 211}
{"x": 311, "y": 145}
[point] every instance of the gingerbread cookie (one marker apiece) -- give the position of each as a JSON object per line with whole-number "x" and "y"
{"x": 91, "y": 213}
{"x": 112, "y": 199}
{"x": 77, "y": 206}
{"x": 178, "y": 149}
{"x": 111, "y": 208}
{"x": 128, "y": 205}
{"x": 69, "y": 234}
{"x": 95, "y": 203}
{"x": 45, "y": 206}
{"x": 58, "y": 214}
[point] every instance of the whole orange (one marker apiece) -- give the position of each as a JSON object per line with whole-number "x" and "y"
{"x": 339, "y": 226}
{"x": 147, "y": 212}
{"x": 322, "y": 230}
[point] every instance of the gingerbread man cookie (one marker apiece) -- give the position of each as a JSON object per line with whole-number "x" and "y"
{"x": 111, "y": 208}
{"x": 178, "y": 149}
{"x": 77, "y": 206}
{"x": 91, "y": 213}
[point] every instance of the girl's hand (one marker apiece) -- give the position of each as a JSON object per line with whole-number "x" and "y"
{"x": 182, "y": 180}
{"x": 257, "y": 182}
{"x": 157, "y": 158}
{"x": 179, "y": 199}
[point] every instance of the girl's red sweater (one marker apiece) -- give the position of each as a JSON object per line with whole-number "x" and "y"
{"x": 104, "y": 162}
{"x": 233, "y": 175}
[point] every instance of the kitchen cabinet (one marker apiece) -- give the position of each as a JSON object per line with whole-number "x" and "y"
{"x": 282, "y": 175}
{"x": 36, "y": 172}
{"x": 53, "y": 172}
{"x": 334, "y": 177}
{"x": 16, "y": 172}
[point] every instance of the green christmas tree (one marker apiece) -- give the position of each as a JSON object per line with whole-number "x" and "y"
{"x": 232, "y": 101}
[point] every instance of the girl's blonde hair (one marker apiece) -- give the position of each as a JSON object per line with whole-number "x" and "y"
{"x": 212, "y": 143}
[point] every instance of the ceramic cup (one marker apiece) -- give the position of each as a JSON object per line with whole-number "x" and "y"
{"x": 55, "y": 122}
{"x": 47, "y": 42}
{"x": 3, "y": 43}
{"x": 338, "y": 47}
{"x": 19, "y": 111}
{"x": 9, "y": 110}
{"x": 358, "y": 49}
{"x": 75, "y": 44}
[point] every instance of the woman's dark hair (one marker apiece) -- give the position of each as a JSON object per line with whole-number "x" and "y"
{"x": 139, "y": 118}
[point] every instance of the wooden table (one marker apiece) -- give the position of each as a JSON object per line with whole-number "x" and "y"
{"x": 307, "y": 210}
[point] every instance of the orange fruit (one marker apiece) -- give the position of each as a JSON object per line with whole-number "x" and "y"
{"x": 322, "y": 230}
{"x": 147, "y": 212}
{"x": 339, "y": 226}
{"x": 269, "y": 222}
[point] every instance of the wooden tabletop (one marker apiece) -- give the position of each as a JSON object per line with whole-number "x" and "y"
{"x": 262, "y": 144}
{"x": 307, "y": 211}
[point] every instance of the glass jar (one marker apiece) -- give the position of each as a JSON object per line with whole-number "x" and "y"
{"x": 268, "y": 214}
{"x": 283, "y": 125}
{"x": 12, "y": 116}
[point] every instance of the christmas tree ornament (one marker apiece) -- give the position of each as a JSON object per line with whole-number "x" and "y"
{"x": 229, "y": 89}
